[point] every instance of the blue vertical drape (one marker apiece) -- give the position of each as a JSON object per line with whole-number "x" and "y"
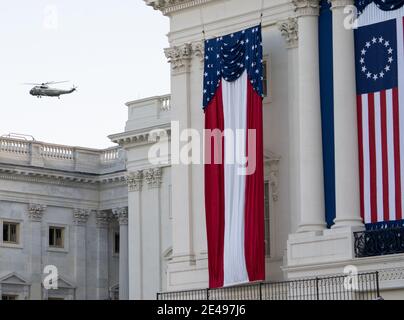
{"x": 327, "y": 108}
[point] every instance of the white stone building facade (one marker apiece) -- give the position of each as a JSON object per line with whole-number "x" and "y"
{"x": 64, "y": 207}
{"x": 162, "y": 232}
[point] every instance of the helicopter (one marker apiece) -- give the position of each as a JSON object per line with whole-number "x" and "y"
{"x": 43, "y": 90}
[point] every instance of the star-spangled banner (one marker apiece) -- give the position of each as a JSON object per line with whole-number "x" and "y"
{"x": 229, "y": 56}
{"x": 379, "y": 56}
{"x": 234, "y": 192}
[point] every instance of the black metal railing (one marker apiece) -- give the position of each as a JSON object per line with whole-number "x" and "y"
{"x": 364, "y": 286}
{"x": 379, "y": 242}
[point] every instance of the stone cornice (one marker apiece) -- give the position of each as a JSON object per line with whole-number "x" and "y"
{"x": 48, "y": 176}
{"x": 80, "y": 216}
{"x": 121, "y": 214}
{"x": 141, "y": 137}
{"x": 170, "y": 6}
{"x": 307, "y": 7}
{"x": 290, "y": 31}
{"x": 35, "y": 211}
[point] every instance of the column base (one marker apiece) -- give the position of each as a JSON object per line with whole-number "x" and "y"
{"x": 348, "y": 223}
{"x": 311, "y": 227}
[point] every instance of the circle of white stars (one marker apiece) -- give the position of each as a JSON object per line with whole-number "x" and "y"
{"x": 380, "y": 41}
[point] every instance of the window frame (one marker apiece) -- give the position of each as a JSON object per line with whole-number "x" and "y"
{"x": 17, "y": 232}
{"x": 20, "y": 238}
{"x": 55, "y": 238}
{"x": 267, "y": 78}
{"x": 65, "y": 235}
{"x": 270, "y": 221}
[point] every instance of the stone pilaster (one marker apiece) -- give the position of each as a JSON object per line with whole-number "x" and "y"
{"x": 102, "y": 223}
{"x": 35, "y": 213}
{"x": 135, "y": 184}
{"x": 310, "y": 170}
{"x": 345, "y": 121}
{"x": 122, "y": 215}
{"x": 180, "y": 58}
{"x": 80, "y": 217}
{"x": 289, "y": 29}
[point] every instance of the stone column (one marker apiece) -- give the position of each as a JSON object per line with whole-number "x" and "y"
{"x": 134, "y": 181}
{"x": 35, "y": 213}
{"x": 80, "y": 217}
{"x": 311, "y": 180}
{"x": 151, "y": 241}
{"x": 289, "y": 30}
{"x": 122, "y": 215}
{"x": 102, "y": 222}
{"x": 345, "y": 121}
{"x": 180, "y": 59}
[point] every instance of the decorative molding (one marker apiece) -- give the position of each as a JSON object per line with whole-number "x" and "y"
{"x": 170, "y": 6}
{"x": 198, "y": 49}
{"x": 391, "y": 274}
{"x": 153, "y": 177}
{"x": 80, "y": 216}
{"x": 272, "y": 172}
{"x": 340, "y": 3}
{"x": 307, "y": 7}
{"x": 179, "y": 57}
{"x": 134, "y": 181}
{"x": 102, "y": 218}
{"x": 121, "y": 214}
{"x": 35, "y": 211}
{"x": 290, "y": 31}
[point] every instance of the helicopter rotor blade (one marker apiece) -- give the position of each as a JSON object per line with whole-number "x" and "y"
{"x": 55, "y": 82}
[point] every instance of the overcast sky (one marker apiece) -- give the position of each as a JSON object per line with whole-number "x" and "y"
{"x": 111, "y": 49}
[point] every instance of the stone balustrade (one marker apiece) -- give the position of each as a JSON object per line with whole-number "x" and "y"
{"x": 39, "y": 154}
{"x": 148, "y": 112}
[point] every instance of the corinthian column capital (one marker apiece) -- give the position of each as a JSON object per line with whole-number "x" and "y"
{"x": 179, "y": 56}
{"x": 134, "y": 181}
{"x": 153, "y": 177}
{"x": 290, "y": 31}
{"x": 102, "y": 218}
{"x": 307, "y": 7}
{"x": 35, "y": 211}
{"x": 121, "y": 214}
{"x": 80, "y": 216}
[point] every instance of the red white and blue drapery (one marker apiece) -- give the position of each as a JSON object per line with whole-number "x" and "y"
{"x": 379, "y": 42}
{"x": 232, "y": 102}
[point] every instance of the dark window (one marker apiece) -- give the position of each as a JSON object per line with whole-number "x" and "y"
{"x": 265, "y": 78}
{"x": 56, "y": 237}
{"x": 116, "y": 242}
{"x": 10, "y": 232}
